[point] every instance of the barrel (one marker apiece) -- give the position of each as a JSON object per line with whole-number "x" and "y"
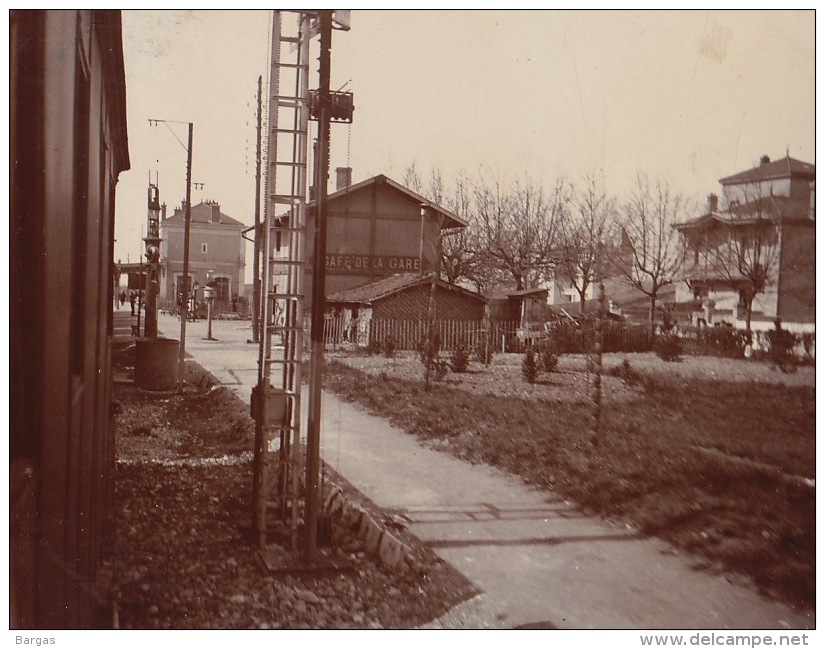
{"x": 156, "y": 363}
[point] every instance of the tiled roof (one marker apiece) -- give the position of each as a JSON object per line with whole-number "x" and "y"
{"x": 202, "y": 215}
{"x": 768, "y": 207}
{"x": 784, "y": 168}
{"x": 451, "y": 220}
{"x": 368, "y": 293}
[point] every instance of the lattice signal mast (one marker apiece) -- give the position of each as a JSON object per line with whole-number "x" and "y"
{"x": 279, "y": 450}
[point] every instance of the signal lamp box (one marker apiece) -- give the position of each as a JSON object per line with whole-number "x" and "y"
{"x": 272, "y": 404}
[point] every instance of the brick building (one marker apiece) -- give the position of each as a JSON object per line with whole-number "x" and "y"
{"x": 216, "y": 245}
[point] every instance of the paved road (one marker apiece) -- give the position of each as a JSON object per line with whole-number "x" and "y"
{"x": 536, "y": 559}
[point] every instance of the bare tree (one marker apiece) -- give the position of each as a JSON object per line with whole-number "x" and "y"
{"x": 649, "y": 256}
{"x": 518, "y": 227}
{"x": 464, "y": 256}
{"x": 584, "y": 233}
{"x": 461, "y": 253}
{"x": 749, "y": 255}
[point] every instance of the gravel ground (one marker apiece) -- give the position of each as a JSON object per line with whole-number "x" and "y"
{"x": 183, "y": 558}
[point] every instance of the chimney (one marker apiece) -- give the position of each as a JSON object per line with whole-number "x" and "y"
{"x": 163, "y": 212}
{"x": 215, "y": 216}
{"x": 713, "y": 203}
{"x": 343, "y": 177}
{"x": 764, "y": 160}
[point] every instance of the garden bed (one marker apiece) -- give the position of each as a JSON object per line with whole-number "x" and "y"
{"x": 747, "y": 507}
{"x": 183, "y": 556}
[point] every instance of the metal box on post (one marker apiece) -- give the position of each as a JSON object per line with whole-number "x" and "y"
{"x": 273, "y": 405}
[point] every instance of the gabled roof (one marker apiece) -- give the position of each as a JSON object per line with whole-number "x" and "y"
{"x": 202, "y": 215}
{"x": 451, "y": 220}
{"x": 379, "y": 289}
{"x": 784, "y": 168}
{"x": 537, "y": 292}
{"x": 574, "y": 309}
{"x": 703, "y": 220}
{"x": 508, "y": 293}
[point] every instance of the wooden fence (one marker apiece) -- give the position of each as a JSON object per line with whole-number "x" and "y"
{"x": 406, "y": 335}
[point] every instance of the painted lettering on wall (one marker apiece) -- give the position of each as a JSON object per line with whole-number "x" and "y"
{"x": 357, "y": 264}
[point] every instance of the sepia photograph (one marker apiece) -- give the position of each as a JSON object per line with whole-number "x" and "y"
{"x": 412, "y": 320}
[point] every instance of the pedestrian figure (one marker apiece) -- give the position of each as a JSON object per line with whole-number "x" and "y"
{"x": 132, "y": 298}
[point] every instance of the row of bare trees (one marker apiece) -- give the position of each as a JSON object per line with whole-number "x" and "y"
{"x": 526, "y": 235}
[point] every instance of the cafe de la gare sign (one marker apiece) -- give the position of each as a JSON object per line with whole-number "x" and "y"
{"x": 357, "y": 264}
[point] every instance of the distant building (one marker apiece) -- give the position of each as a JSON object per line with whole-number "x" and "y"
{"x": 522, "y": 307}
{"x": 216, "y": 244}
{"x": 765, "y": 223}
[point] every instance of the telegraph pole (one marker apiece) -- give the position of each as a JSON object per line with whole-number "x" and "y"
{"x": 184, "y": 298}
{"x": 256, "y": 280}
{"x": 313, "y": 462}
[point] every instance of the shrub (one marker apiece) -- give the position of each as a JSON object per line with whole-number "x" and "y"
{"x": 808, "y": 344}
{"x": 567, "y": 338}
{"x": 627, "y": 338}
{"x": 717, "y": 341}
{"x": 439, "y": 368}
{"x": 389, "y": 346}
{"x": 626, "y": 372}
{"x": 726, "y": 341}
{"x": 782, "y": 343}
{"x": 430, "y": 358}
{"x": 668, "y": 347}
{"x": 459, "y": 360}
{"x": 428, "y": 349}
{"x": 484, "y": 350}
{"x": 548, "y": 358}
{"x": 374, "y": 347}
{"x": 529, "y": 367}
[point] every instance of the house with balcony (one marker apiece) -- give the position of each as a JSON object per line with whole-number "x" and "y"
{"x": 750, "y": 258}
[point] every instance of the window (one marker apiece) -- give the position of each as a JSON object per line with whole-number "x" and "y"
{"x": 203, "y": 248}
{"x": 223, "y": 293}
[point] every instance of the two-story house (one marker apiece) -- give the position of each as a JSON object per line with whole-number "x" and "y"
{"x": 375, "y": 229}
{"x": 750, "y": 259}
{"x": 216, "y": 248}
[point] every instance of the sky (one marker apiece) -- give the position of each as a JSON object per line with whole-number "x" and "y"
{"x": 685, "y": 96}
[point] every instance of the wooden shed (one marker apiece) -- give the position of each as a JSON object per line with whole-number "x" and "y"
{"x": 398, "y": 306}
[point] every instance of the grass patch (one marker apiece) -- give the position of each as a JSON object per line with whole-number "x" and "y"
{"x": 743, "y": 516}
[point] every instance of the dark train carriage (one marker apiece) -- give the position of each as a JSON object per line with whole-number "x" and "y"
{"x": 68, "y": 144}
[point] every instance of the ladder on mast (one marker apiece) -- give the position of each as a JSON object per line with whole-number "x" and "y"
{"x": 278, "y": 454}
